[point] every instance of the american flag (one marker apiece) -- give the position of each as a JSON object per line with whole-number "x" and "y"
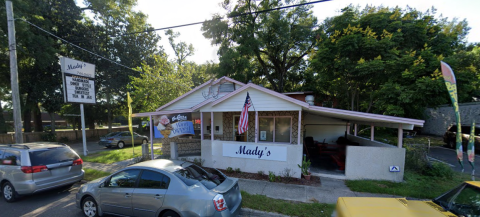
{"x": 243, "y": 123}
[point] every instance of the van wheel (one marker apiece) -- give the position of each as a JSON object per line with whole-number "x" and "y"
{"x": 9, "y": 193}
{"x": 121, "y": 145}
{"x": 89, "y": 207}
{"x": 170, "y": 214}
{"x": 451, "y": 144}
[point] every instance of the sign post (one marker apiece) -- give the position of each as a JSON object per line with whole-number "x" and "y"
{"x": 78, "y": 87}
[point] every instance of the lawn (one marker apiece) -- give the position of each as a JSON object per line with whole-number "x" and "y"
{"x": 116, "y": 155}
{"x": 263, "y": 203}
{"x": 414, "y": 185}
{"x": 91, "y": 174}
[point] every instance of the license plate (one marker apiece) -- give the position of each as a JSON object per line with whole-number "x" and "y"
{"x": 60, "y": 171}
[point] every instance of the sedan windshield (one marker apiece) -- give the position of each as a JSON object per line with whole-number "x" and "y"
{"x": 464, "y": 200}
{"x": 111, "y": 134}
{"x": 192, "y": 174}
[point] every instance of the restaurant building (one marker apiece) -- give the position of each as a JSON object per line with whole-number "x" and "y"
{"x": 281, "y": 130}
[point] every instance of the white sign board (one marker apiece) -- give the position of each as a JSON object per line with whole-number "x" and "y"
{"x": 394, "y": 169}
{"x": 259, "y": 152}
{"x": 78, "y": 81}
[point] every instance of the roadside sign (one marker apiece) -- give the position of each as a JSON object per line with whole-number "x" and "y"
{"x": 78, "y": 81}
{"x": 394, "y": 169}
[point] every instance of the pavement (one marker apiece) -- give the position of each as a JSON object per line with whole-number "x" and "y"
{"x": 328, "y": 192}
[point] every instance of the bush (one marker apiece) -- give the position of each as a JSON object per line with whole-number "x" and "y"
{"x": 116, "y": 124}
{"x": 237, "y": 170}
{"x": 229, "y": 170}
{"x": 439, "y": 170}
{"x": 260, "y": 172}
{"x": 271, "y": 176}
{"x": 63, "y": 139}
{"x": 49, "y": 137}
{"x": 416, "y": 158}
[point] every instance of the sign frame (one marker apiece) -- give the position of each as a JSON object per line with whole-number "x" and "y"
{"x": 78, "y": 76}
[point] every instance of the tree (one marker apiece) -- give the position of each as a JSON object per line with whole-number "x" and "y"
{"x": 182, "y": 50}
{"x": 384, "y": 60}
{"x": 270, "y": 46}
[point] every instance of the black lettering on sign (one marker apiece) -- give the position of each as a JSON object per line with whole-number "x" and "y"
{"x": 73, "y": 83}
{"x": 74, "y": 95}
{"x": 83, "y": 96}
{"x": 89, "y": 97}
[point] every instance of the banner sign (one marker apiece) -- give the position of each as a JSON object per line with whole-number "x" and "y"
{"x": 169, "y": 126}
{"x": 78, "y": 81}
{"x": 259, "y": 152}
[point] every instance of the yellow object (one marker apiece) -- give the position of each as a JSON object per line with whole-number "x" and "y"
{"x": 401, "y": 207}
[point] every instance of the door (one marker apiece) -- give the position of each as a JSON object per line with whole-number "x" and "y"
{"x": 138, "y": 138}
{"x": 148, "y": 196}
{"x": 116, "y": 196}
{"x": 127, "y": 138}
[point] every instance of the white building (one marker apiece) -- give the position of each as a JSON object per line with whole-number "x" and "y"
{"x": 277, "y": 126}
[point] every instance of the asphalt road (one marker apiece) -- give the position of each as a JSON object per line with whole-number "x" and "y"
{"x": 449, "y": 156}
{"x": 92, "y": 147}
{"x": 61, "y": 202}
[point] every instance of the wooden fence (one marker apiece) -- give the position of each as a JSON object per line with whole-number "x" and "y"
{"x": 71, "y": 135}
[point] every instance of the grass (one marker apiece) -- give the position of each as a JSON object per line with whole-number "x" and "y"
{"x": 91, "y": 174}
{"x": 414, "y": 185}
{"x": 263, "y": 203}
{"x": 116, "y": 155}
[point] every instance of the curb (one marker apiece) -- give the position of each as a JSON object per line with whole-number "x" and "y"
{"x": 261, "y": 213}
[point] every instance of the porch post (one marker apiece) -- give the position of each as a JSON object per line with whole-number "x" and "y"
{"x": 151, "y": 136}
{"x": 256, "y": 126}
{"x": 348, "y": 128}
{"x": 400, "y": 136}
{"x": 355, "y": 128}
{"x": 211, "y": 126}
{"x": 299, "y": 126}
{"x": 372, "y": 129}
{"x": 201, "y": 125}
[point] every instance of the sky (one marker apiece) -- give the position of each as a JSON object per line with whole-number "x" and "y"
{"x": 166, "y": 13}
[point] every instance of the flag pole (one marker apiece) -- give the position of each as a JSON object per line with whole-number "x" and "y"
{"x": 251, "y": 101}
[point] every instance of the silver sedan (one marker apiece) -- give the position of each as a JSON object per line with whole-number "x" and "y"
{"x": 122, "y": 138}
{"x": 161, "y": 188}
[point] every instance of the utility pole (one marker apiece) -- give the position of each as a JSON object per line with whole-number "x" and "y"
{"x": 12, "y": 46}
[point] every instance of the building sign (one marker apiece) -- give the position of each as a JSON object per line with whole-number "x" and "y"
{"x": 394, "y": 169}
{"x": 169, "y": 126}
{"x": 260, "y": 152}
{"x": 78, "y": 81}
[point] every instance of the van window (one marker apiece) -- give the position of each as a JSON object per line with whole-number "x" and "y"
{"x": 13, "y": 157}
{"x": 52, "y": 156}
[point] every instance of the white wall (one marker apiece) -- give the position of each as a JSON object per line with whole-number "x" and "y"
{"x": 212, "y": 153}
{"x": 367, "y": 162}
{"x": 261, "y": 101}
{"x": 329, "y": 129}
{"x": 196, "y": 97}
{"x": 217, "y": 121}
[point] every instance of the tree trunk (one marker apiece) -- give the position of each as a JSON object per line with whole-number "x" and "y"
{"x": 3, "y": 125}
{"x": 79, "y": 122}
{"x": 91, "y": 124}
{"x": 52, "y": 121}
{"x": 27, "y": 119}
{"x": 37, "y": 119}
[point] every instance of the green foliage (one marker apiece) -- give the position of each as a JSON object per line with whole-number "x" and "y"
{"x": 260, "y": 172}
{"x": 237, "y": 170}
{"x": 91, "y": 174}
{"x": 439, "y": 170}
{"x": 289, "y": 208}
{"x": 271, "y": 176}
{"x": 116, "y": 155}
{"x": 416, "y": 158}
{"x": 305, "y": 165}
{"x": 229, "y": 170}
{"x": 49, "y": 137}
{"x": 268, "y": 47}
{"x": 387, "y": 61}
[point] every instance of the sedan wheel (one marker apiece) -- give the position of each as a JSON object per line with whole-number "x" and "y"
{"x": 9, "y": 192}
{"x": 89, "y": 207}
{"x": 121, "y": 145}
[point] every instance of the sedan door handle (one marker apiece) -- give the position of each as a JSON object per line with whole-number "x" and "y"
{"x": 158, "y": 196}
{"x": 127, "y": 195}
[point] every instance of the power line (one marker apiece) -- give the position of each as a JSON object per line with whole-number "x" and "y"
{"x": 90, "y": 52}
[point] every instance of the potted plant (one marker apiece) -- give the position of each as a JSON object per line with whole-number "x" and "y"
{"x": 304, "y": 167}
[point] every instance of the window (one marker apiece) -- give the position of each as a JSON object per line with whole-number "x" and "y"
{"x": 193, "y": 174}
{"x": 12, "y": 157}
{"x": 52, "y": 156}
{"x": 275, "y": 129}
{"x": 124, "y": 179}
{"x": 150, "y": 179}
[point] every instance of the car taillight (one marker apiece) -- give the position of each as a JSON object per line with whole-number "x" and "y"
{"x": 219, "y": 203}
{"x": 34, "y": 169}
{"x": 77, "y": 162}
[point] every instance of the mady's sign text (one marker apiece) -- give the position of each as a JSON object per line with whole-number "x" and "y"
{"x": 78, "y": 81}
{"x": 259, "y": 152}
